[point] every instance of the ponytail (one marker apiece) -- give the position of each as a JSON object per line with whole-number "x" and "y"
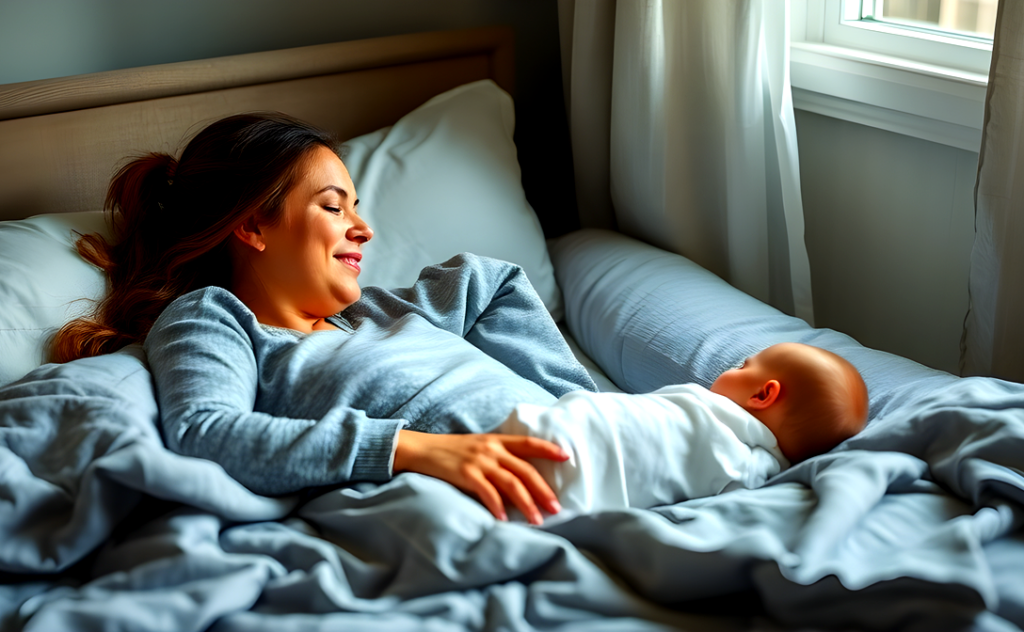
{"x": 172, "y": 220}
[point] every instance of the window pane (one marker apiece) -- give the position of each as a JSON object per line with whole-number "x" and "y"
{"x": 968, "y": 17}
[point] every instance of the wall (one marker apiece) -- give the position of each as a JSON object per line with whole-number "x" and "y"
{"x": 41, "y": 39}
{"x": 889, "y": 230}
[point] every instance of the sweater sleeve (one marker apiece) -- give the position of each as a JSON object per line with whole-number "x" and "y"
{"x": 492, "y": 305}
{"x": 205, "y": 369}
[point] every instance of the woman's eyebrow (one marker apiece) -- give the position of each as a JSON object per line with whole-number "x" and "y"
{"x": 340, "y": 191}
{"x": 330, "y": 187}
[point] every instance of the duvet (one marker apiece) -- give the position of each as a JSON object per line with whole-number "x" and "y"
{"x": 913, "y": 524}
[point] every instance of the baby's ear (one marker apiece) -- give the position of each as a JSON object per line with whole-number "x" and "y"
{"x": 765, "y": 396}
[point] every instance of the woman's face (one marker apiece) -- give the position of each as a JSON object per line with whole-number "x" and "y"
{"x": 309, "y": 262}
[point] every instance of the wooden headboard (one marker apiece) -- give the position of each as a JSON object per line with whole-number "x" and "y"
{"x": 61, "y": 140}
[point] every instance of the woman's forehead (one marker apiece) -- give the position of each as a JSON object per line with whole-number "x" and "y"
{"x": 323, "y": 171}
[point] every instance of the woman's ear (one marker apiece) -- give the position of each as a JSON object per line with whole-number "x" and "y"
{"x": 765, "y": 396}
{"x": 249, "y": 234}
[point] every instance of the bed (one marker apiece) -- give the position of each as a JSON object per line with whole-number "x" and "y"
{"x": 914, "y": 524}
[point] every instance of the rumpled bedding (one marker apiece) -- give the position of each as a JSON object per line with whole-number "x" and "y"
{"x": 915, "y": 524}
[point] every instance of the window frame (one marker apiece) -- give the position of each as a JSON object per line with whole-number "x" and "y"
{"x": 915, "y": 83}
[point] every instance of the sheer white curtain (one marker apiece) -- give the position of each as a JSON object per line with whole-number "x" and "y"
{"x": 683, "y": 134}
{"x": 993, "y": 341}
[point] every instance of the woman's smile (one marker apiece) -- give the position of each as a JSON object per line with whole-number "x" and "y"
{"x": 350, "y": 258}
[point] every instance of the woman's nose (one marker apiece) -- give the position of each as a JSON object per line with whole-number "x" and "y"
{"x": 360, "y": 232}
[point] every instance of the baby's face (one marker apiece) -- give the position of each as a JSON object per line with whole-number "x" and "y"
{"x": 786, "y": 358}
{"x": 741, "y": 383}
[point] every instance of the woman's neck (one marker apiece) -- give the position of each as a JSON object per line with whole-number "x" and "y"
{"x": 273, "y": 313}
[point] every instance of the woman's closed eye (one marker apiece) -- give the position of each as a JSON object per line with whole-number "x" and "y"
{"x": 336, "y": 209}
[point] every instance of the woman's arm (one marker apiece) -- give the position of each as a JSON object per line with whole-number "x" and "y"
{"x": 203, "y": 361}
{"x": 205, "y": 370}
{"x": 491, "y": 304}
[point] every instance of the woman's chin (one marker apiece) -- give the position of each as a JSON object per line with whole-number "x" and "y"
{"x": 347, "y": 297}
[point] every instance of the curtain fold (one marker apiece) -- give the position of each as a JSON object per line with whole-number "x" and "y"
{"x": 993, "y": 339}
{"x": 683, "y": 135}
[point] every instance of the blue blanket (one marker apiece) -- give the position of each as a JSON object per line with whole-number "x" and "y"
{"x": 913, "y": 524}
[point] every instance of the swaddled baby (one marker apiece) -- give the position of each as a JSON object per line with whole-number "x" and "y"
{"x": 784, "y": 404}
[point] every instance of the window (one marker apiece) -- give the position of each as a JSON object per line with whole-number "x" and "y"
{"x": 926, "y": 31}
{"x": 917, "y": 67}
{"x": 969, "y": 19}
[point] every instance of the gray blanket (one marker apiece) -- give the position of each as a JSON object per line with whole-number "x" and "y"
{"x": 914, "y": 524}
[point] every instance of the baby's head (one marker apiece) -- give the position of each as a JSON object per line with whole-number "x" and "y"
{"x": 811, "y": 399}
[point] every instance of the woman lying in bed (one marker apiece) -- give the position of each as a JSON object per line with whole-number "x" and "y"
{"x": 234, "y": 265}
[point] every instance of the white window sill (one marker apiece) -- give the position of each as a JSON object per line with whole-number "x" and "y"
{"x": 938, "y": 104}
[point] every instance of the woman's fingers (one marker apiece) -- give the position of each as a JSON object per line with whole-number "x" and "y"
{"x": 487, "y": 494}
{"x": 488, "y": 465}
{"x": 533, "y": 448}
{"x": 513, "y": 489}
{"x": 535, "y": 485}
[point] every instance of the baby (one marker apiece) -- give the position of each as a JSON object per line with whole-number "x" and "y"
{"x": 785, "y": 404}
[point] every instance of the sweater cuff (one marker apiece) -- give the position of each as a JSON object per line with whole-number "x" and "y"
{"x": 375, "y": 451}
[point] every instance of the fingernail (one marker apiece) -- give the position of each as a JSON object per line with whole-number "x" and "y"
{"x": 503, "y": 517}
{"x": 537, "y": 518}
{"x": 554, "y": 507}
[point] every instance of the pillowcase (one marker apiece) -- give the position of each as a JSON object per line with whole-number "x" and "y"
{"x": 445, "y": 180}
{"x": 43, "y": 284}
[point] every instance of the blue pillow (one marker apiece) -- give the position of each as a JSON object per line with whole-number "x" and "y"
{"x": 651, "y": 318}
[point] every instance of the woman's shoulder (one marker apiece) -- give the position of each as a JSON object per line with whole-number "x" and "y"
{"x": 203, "y": 324}
{"x": 207, "y": 297}
{"x": 206, "y": 304}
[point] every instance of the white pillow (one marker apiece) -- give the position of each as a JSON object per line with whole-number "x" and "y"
{"x": 445, "y": 180}
{"x": 42, "y": 279}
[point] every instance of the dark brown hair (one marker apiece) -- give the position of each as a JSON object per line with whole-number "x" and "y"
{"x": 172, "y": 219}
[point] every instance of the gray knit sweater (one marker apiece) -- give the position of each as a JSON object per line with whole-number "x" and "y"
{"x": 281, "y": 410}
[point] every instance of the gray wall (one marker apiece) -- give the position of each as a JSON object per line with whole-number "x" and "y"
{"x": 42, "y": 39}
{"x": 889, "y": 230}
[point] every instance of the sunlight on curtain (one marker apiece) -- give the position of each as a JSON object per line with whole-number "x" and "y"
{"x": 683, "y": 135}
{"x": 993, "y": 340}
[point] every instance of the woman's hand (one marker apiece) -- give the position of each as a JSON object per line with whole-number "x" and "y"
{"x": 488, "y": 465}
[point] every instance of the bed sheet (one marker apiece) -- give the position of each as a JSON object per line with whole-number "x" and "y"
{"x": 915, "y": 525}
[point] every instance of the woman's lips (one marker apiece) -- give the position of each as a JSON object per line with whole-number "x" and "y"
{"x": 350, "y": 258}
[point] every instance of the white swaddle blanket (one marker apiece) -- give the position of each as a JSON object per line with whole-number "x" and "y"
{"x": 679, "y": 442}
